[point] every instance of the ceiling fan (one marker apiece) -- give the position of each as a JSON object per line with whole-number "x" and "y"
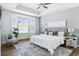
{"x": 43, "y": 5}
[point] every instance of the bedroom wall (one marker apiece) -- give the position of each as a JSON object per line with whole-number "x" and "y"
{"x": 71, "y": 15}
{"x": 0, "y": 23}
{"x": 0, "y": 30}
{"x": 7, "y": 25}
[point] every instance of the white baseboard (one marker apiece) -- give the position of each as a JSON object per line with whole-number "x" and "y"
{"x": 3, "y": 42}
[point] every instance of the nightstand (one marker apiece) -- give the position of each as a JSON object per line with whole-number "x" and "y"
{"x": 71, "y": 41}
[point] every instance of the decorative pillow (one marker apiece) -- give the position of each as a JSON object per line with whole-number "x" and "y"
{"x": 60, "y": 33}
{"x": 42, "y": 32}
{"x": 55, "y": 33}
{"x": 45, "y": 32}
{"x": 50, "y": 33}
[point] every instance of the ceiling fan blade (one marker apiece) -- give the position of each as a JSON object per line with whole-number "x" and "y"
{"x": 38, "y": 7}
{"x": 47, "y": 3}
{"x": 45, "y": 7}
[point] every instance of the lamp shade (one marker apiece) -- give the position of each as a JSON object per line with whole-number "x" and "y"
{"x": 70, "y": 30}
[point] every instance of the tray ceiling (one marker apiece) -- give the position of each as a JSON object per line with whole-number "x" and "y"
{"x": 31, "y": 8}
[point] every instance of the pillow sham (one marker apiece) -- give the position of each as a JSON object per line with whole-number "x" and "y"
{"x": 50, "y": 33}
{"x": 44, "y": 32}
{"x": 60, "y": 33}
{"x": 55, "y": 33}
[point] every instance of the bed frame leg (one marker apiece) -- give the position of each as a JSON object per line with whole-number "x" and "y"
{"x": 51, "y": 52}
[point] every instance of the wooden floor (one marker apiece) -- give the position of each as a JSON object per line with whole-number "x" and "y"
{"x": 10, "y": 50}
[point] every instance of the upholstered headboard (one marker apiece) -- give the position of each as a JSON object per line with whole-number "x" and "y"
{"x": 59, "y": 26}
{"x": 55, "y": 24}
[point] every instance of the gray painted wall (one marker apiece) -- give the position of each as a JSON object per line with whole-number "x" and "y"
{"x": 0, "y": 23}
{"x": 72, "y": 17}
{"x": 7, "y": 25}
{"x": 0, "y": 32}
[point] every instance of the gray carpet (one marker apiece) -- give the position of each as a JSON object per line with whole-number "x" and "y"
{"x": 29, "y": 49}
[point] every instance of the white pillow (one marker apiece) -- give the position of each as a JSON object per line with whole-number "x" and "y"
{"x": 45, "y": 32}
{"x": 50, "y": 33}
{"x": 60, "y": 33}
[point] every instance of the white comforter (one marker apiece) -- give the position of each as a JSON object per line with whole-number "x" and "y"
{"x": 48, "y": 41}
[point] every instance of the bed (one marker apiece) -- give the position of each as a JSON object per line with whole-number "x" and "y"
{"x": 49, "y": 42}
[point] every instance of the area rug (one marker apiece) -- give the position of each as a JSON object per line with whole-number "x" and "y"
{"x": 29, "y": 49}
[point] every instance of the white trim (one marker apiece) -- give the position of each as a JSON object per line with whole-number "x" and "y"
{"x": 3, "y": 42}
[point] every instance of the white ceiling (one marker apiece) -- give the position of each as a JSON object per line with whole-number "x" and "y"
{"x": 31, "y": 8}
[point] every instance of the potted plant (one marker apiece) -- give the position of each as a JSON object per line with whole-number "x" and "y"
{"x": 73, "y": 35}
{"x": 70, "y": 36}
{"x": 15, "y": 33}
